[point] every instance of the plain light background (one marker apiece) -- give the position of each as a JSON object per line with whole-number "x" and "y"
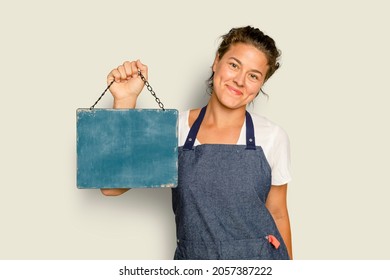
{"x": 331, "y": 95}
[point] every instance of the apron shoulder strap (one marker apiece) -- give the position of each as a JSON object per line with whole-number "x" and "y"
{"x": 189, "y": 144}
{"x": 250, "y": 133}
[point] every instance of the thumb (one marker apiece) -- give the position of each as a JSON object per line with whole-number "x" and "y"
{"x": 143, "y": 68}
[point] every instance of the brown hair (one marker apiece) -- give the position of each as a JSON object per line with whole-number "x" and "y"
{"x": 252, "y": 36}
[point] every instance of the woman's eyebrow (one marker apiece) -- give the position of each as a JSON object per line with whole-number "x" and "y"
{"x": 240, "y": 63}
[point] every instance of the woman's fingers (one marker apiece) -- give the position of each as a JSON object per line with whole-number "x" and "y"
{"x": 129, "y": 69}
{"x": 134, "y": 69}
{"x": 143, "y": 68}
{"x": 122, "y": 73}
{"x": 127, "y": 81}
{"x": 114, "y": 75}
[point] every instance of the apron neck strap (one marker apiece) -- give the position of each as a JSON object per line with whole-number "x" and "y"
{"x": 250, "y": 133}
{"x": 189, "y": 144}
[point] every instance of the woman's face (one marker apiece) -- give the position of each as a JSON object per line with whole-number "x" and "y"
{"x": 239, "y": 75}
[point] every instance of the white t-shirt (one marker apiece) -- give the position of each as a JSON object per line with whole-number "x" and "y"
{"x": 272, "y": 138}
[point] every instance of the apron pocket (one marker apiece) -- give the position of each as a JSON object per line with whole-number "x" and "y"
{"x": 252, "y": 249}
{"x": 243, "y": 249}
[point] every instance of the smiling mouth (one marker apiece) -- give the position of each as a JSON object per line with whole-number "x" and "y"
{"x": 234, "y": 90}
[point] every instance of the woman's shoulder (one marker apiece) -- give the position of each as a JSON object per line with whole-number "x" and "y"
{"x": 183, "y": 116}
{"x": 276, "y": 146}
{"x": 263, "y": 122}
{"x": 268, "y": 131}
{"x": 188, "y": 117}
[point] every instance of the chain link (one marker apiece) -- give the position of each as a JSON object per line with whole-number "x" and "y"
{"x": 150, "y": 89}
{"x": 148, "y": 86}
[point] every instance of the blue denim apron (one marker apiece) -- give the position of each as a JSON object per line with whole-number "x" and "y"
{"x": 219, "y": 203}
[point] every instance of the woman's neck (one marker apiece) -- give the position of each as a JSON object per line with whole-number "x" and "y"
{"x": 220, "y": 116}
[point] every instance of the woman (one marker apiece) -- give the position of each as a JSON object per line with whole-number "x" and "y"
{"x": 230, "y": 202}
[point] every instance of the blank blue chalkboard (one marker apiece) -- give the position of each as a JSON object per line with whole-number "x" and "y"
{"x": 126, "y": 148}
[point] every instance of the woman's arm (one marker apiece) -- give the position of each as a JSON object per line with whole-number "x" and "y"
{"x": 113, "y": 192}
{"x": 277, "y": 205}
{"x": 125, "y": 90}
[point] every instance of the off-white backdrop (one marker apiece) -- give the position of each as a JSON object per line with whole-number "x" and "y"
{"x": 331, "y": 95}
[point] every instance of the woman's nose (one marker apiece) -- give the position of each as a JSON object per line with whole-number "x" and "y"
{"x": 239, "y": 78}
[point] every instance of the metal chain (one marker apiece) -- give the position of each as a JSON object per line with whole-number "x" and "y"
{"x": 150, "y": 89}
{"x": 148, "y": 86}
{"x": 100, "y": 97}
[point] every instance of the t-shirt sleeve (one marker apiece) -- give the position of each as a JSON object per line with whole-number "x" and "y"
{"x": 281, "y": 158}
{"x": 183, "y": 127}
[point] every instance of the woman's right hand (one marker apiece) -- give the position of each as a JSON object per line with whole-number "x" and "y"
{"x": 127, "y": 83}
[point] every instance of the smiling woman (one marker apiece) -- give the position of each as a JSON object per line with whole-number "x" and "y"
{"x": 238, "y": 75}
{"x": 251, "y": 37}
{"x": 233, "y": 167}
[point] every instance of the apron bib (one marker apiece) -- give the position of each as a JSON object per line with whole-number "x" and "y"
{"x": 219, "y": 203}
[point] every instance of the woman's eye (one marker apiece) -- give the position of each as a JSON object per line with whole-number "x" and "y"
{"x": 254, "y": 77}
{"x": 233, "y": 65}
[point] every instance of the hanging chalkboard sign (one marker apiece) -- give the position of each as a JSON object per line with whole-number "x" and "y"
{"x": 126, "y": 148}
